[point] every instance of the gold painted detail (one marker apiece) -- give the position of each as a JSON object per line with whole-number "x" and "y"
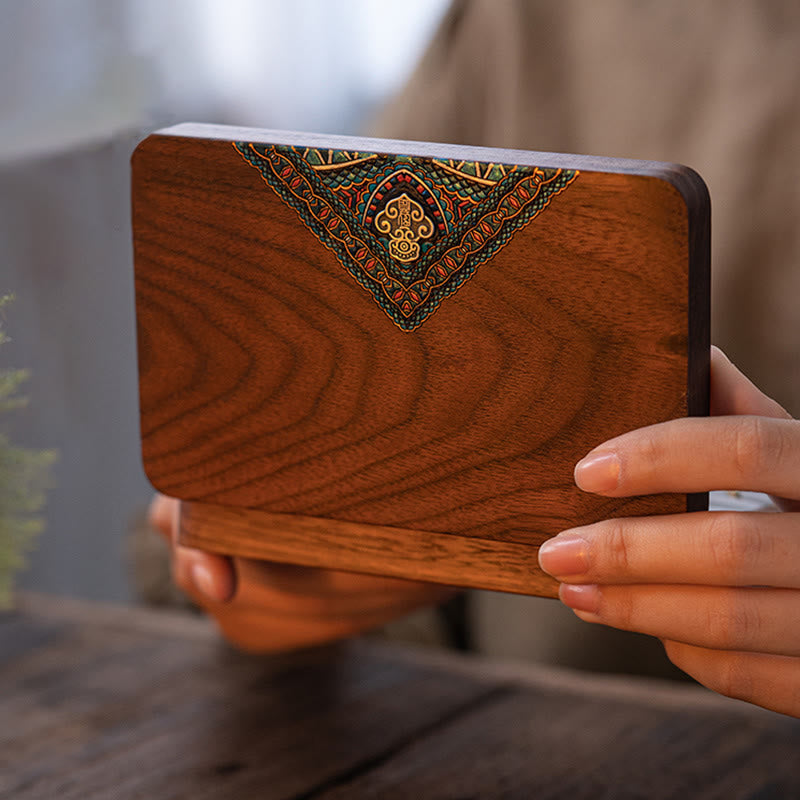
{"x": 410, "y": 230}
{"x": 404, "y": 220}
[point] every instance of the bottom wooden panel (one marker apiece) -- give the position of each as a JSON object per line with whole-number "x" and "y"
{"x": 396, "y": 552}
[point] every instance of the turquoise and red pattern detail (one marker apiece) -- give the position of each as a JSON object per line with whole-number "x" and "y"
{"x": 410, "y": 230}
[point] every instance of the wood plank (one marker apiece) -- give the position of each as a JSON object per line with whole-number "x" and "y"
{"x": 109, "y": 702}
{"x": 545, "y": 744}
{"x": 103, "y": 711}
{"x": 270, "y": 379}
{"x": 316, "y": 542}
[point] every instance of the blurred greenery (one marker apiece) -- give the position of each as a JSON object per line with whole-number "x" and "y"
{"x": 24, "y": 480}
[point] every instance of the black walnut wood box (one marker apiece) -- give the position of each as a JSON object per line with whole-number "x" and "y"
{"x": 387, "y": 357}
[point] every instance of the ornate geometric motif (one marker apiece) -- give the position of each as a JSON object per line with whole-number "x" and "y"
{"x": 410, "y": 230}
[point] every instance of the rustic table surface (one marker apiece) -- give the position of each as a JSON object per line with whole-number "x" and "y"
{"x": 112, "y": 703}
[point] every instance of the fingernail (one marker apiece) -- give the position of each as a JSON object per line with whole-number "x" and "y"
{"x": 580, "y": 597}
{"x": 598, "y": 473}
{"x": 203, "y": 580}
{"x": 564, "y": 555}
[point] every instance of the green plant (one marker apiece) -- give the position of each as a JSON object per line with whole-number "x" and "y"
{"x": 24, "y": 478}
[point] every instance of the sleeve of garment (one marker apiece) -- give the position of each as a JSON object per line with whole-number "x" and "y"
{"x": 487, "y": 70}
{"x": 713, "y": 85}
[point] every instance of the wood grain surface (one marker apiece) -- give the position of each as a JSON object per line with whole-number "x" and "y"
{"x": 101, "y": 702}
{"x": 270, "y": 380}
{"x": 401, "y": 553}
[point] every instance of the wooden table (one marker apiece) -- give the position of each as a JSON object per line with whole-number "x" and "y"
{"x": 113, "y": 703}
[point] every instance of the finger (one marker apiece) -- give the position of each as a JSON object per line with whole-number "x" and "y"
{"x": 206, "y": 577}
{"x": 754, "y": 620}
{"x": 722, "y": 548}
{"x": 280, "y": 607}
{"x": 697, "y": 455}
{"x": 308, "y": 591}
{"x": 765, "y": 680}
{"x": 163, "y": 515}
{"x": 254, "y": 629}
{"x": 747, "y": 441}
{"x": 733, "y": 393}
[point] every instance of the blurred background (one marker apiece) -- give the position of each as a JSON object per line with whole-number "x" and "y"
{"x": 81, "y": 81}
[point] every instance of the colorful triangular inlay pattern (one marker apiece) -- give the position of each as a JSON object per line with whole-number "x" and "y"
{"x": 410, "y": 230}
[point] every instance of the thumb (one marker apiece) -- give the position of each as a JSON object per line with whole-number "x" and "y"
{"x": 732, "y": 393}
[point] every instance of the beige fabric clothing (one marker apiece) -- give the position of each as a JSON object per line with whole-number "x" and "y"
{"x": 712, "y": 84}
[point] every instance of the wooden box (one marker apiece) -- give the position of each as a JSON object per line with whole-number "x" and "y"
{"x": 387, "y": 356}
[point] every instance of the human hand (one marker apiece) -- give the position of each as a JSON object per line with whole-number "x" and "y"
{"x": 264, "y": 606}
{"x": 720, "y": 589}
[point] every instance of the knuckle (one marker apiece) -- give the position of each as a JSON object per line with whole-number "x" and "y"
{"x": 619, "y": 608}
{"x": 732, "y": 622}
{"x": 651, "y": 449}
{"x": 617, "y": 547}
{"x": 753, "y": 444}
{"x": 731, "y": 676}
{"x": 735, "y": 542}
